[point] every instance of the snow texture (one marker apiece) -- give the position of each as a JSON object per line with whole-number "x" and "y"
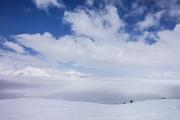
{"x": 44, "y": 109}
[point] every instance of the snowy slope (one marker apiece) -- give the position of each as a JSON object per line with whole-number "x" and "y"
{"x": 44, "y": 109}
{"x": 24, "y": 98}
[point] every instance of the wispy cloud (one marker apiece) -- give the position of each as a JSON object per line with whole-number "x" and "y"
{"x": 14, "y": 46}
{"x": 150, "y": 20}
{"x": 171, "y": 7}
{"x": 45, "y": 4}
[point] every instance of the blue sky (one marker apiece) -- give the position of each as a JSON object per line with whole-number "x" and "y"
{"x": 24, "y": 17}
{"x": 102, "y": 37}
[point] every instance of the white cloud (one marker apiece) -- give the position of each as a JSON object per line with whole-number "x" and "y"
{"x": 12, "y": 62}
{"x": 99, "y": 41}
{"x": 150, "y": 20}
{"x": 109, "y": 48}
{"x": 171, "y": 7}
{"x": 170, "y": 38}
{"x": 45, "y": 4}
{"x": 136, "y": 9}
{"x": 93, "y": 23}
{"x": 78, "y": 48}
{"x": 90, "y": 2}
{"x": 175, "y": 12}
{"x": 14, "y": 46}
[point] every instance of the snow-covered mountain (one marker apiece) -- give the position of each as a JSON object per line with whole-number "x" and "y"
{"x": 31, "y": 71}
{"x": 42, "y": 72}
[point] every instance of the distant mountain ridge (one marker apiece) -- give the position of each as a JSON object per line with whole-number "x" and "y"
{"x": 31, "y": 71}
{"x": 41, "y": 72}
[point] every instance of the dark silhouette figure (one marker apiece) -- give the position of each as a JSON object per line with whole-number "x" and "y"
{"x": 131, "y": 101}
{"x": 124, "y": 102}
{"x": 163, "y": 98}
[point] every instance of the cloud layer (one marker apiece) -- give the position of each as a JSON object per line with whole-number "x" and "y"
{"x": 99, "y": 40}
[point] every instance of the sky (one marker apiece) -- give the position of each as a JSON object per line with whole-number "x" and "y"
{"x": 96, "y": 37}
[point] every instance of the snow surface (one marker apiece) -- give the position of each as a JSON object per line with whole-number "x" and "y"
{"x": 42, "y": 98}
{"x": 44, "y": 109}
